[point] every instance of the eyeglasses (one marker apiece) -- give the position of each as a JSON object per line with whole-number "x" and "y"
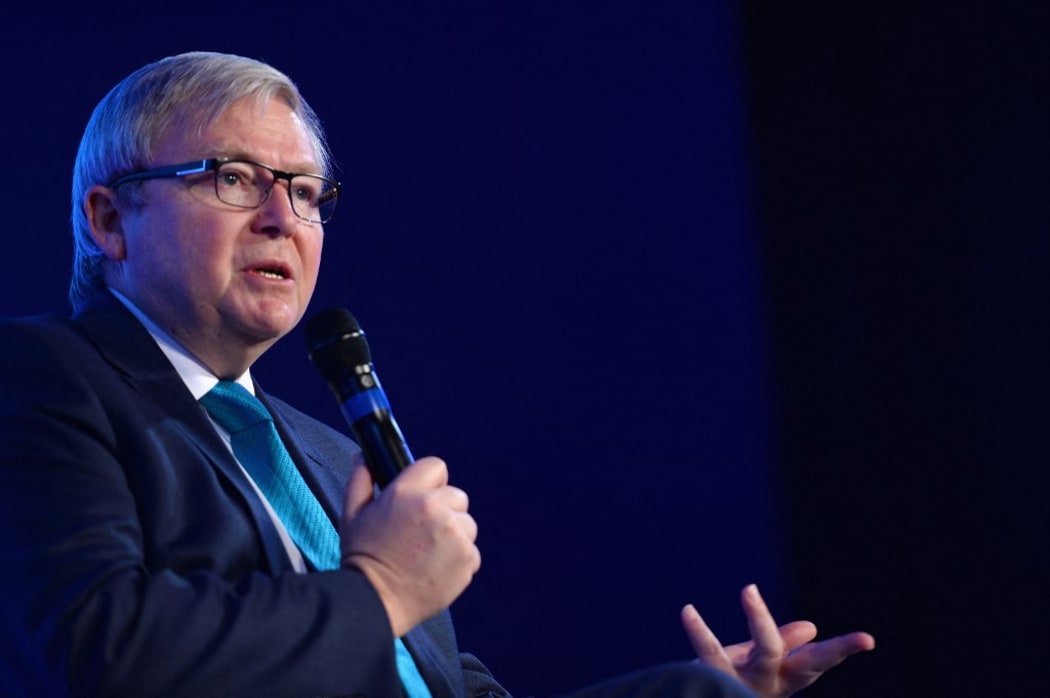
{"x": 248, "y": 184}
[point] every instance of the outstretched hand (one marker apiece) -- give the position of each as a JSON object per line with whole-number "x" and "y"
{"x": 776, "y": 662}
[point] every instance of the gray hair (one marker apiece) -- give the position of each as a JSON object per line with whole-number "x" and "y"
{"x": 141, "y": 109}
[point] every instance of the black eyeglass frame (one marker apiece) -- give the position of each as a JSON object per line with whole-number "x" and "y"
{"x": 213, "y": 164}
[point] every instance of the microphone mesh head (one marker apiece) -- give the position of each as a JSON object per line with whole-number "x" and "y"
{"x": 329, "y": 325}
{"x": 336, "y": 343}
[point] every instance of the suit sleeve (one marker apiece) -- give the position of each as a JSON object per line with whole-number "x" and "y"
{"x": 112, "y": 588}
{"x": 478, "y": 679}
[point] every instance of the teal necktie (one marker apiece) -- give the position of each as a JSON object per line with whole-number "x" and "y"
{"x": 258, "y": 447}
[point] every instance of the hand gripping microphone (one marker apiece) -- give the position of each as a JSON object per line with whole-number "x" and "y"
{"x": 337, "y": 347}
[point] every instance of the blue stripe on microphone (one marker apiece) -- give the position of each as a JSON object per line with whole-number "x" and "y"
{"x": 365, "y": 403}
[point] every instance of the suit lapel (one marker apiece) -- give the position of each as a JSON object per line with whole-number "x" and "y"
{"x": 443, "y": 678}
{"x": 129, "y": 348}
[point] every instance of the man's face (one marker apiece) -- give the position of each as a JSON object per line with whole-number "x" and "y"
{"x": 225, "y": 282}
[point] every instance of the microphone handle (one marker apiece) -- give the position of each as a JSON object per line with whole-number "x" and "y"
{"x": 376, "y": 431}
{"x": 385, "y": 451}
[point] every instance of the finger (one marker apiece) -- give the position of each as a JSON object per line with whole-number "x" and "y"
{"x": 359, "y": 491}
{"x": 707, "y": 647}
{"x": 769, "y": 646}
{"x": 793, "y": 634}
{"x": 739, "y": 652}
{"x": 818, "y": 657}
{"x": 797, "y": 633}
{"x": 472, "y": 527}
{"x": 428, "y": 472}
{"x": 455, "y": 499}
{"x": 424, "y": 474}
{"x": 466, "y": 524}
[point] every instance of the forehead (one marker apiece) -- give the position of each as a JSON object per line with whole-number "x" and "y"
{"x": 267, "y": 131}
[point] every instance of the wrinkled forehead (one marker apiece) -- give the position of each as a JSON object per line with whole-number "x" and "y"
{"x": 229, "y": 128}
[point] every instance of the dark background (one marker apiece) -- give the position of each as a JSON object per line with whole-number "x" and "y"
{"x": 688, "y": 294}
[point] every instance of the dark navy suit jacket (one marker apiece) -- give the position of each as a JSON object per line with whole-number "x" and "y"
{"x": 138, "y": 559}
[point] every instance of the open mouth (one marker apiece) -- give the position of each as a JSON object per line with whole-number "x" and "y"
{"x": 272, "y": 272}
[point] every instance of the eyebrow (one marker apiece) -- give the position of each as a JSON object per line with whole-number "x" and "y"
{"x": 297, "y": 168}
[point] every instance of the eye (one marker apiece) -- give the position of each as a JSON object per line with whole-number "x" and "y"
{"x": 307, "y": 189}
{"x": 233, "y": 175}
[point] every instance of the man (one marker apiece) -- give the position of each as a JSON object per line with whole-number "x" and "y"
{"x": 148, "y": 553}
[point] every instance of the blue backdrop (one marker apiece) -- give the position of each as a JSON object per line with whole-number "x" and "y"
{"x": 688, "y": 294}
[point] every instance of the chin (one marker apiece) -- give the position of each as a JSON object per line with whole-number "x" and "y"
{"x": 271, "y": 321}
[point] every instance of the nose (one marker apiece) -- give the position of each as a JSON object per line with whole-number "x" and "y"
{"x": 275, "y": 216}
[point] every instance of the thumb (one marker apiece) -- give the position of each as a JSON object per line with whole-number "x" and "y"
{"x": 360, "y": 490}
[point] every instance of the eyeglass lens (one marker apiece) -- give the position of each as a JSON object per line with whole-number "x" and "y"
{"x": 248, "y": 185}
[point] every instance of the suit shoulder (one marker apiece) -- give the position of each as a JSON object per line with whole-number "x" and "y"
{"x": 39, "y": 338}
{"x": 42, "y": 327}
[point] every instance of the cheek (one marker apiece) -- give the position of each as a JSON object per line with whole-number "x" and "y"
{"x": 195, "y": 256}
{"x": 153, "y": 254}
{"x": 310, "y": 254}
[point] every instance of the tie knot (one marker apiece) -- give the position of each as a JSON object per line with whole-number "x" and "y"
{"x": 233, "y": 407}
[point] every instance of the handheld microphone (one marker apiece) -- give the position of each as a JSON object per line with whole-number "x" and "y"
{"x": 338, "y": 348}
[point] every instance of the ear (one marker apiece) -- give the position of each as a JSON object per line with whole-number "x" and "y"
{"x": 104, "y": 218}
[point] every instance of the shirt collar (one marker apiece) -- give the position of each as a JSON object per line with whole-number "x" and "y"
{"x": 198, "y": 379}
